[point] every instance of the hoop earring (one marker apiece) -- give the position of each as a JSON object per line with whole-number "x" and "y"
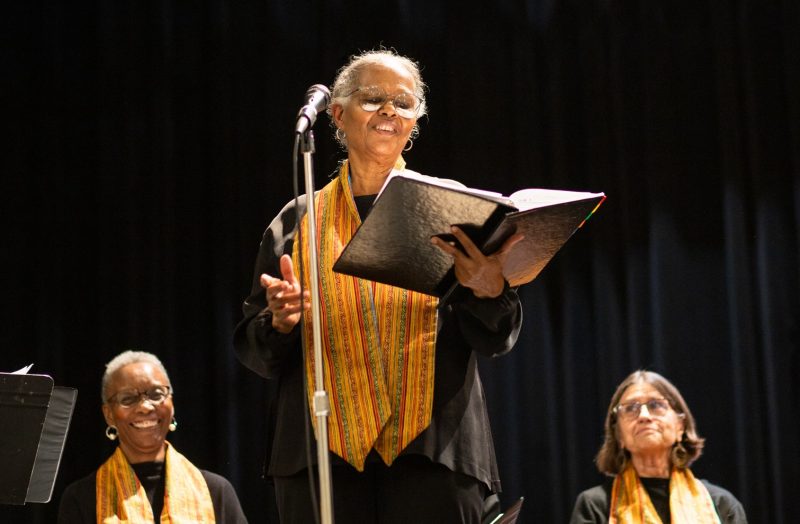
{"x": 679, "y": 455}
{"x": 111, "y": 432}
{"x": 409, "y": 146}
{"x": 340, "y": 134}
{"x": 173, "y": 425}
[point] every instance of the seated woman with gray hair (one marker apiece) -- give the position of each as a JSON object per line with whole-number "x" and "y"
{"x": 145, "y": 479}
{"x": 650, "y": 441}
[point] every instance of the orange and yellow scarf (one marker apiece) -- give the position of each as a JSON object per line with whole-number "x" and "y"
{"x": 122, "y": 499}
{"x": 378, "y": 342}
{"x": 689, "y": 501}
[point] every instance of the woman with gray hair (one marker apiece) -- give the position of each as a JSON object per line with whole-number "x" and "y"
{"x": 408, "y": 431}
{"x": 650, "y": 441}
{"x": 145, "y": 480}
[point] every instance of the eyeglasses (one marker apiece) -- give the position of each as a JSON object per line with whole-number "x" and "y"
{"x": 130, "y": 398}
{"x": 372, "y": 98}
{"x": 657, "y": 407}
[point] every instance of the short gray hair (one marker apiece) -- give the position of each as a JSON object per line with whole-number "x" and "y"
{"x": 346, "y": 80}
{"x": 129, "y": 357}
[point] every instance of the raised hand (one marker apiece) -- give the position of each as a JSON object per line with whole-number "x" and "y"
{"x": 283, "y": 297}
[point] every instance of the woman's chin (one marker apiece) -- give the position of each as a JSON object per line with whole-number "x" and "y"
{"x": 386, "y": 149}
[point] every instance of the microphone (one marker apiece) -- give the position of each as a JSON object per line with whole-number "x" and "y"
{"x": 317, "y": 99}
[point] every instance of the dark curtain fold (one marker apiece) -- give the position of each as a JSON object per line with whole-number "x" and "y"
{"x": 148, "y": 144}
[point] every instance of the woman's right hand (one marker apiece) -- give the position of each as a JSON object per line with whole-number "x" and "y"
{"x": 283, "y": 297}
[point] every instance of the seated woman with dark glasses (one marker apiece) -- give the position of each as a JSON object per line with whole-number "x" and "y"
{"x": 650, "y": 442}
{"x": 145, "y": 479}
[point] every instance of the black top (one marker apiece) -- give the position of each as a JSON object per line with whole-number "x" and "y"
{"x": 151, "y": 476}
{"x": 658, "y": 491}
{"x": 79, "y": 501}
{"x": 364, "y": 204}
{"x": 459, "y": 435}
{"x": 592, "y": 505}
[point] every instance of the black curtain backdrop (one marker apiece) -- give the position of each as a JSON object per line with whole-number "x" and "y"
{"x": 148, "y": 144}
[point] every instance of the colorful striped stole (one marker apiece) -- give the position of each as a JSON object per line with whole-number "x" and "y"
{"x": 378, "y": 342}
{"x": 121, "y": 498}
{"x": 689, "y": 501}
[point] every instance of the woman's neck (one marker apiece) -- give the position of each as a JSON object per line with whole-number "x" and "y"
{"x": 652, "y": 466}
{"x": 367, "y": 177}
{"x": 136, "y": 457}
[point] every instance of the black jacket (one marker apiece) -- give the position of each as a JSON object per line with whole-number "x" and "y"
{"x": 459, "y": 435}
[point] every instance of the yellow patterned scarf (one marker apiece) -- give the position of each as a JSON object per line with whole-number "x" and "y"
{"x": 689, "y": 501}
{"x": 378, "y": 342}
{"x": 122, "y": 499}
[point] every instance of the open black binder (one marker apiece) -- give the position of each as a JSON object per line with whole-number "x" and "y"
{"x": 35, "y": 417}
{"x": 392, "y": 245}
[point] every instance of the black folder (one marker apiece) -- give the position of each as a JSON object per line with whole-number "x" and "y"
{"x": 35, "y": 417}
{"x": 392, "y": 245}
{"x": 511, "y": 515}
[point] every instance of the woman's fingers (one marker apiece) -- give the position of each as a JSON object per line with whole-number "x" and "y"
{"x": 287, "y": 269}
{"x": 508, "y": 244}
{"x": 481, "y": 273}
{"x": 467, "y": 245}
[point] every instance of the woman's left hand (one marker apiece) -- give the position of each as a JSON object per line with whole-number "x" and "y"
{"x": 483, "y": 274}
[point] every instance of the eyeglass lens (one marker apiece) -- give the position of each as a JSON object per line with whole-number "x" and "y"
{"x": 657, "y": 407}
{"x": 156, "y": 395}
{"x": 373, "y": 98}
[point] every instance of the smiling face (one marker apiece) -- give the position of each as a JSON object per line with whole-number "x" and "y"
{"x": 142, "y": 427}
{"x": 648, "y": 433}
{"x": 381, "y": 135}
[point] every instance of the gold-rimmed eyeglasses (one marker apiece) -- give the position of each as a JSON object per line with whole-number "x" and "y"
{"x": 657, "y": 407}
{"x": 129, "y": 398}
{"x": 372, "y": 98}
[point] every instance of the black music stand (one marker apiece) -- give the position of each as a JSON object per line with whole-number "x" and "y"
{"x": 35, "y": 417}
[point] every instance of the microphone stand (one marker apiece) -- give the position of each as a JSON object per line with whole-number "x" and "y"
{"x": 321, "y": 401}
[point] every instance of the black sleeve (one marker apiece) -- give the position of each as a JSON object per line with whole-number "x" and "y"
{"x": 489, "y": 325}
{"x": 227, "y": 509}
{"x": 77, "y": 505}
{"x": 729, "y": 509}
{"x": 258, "y": 346}
{"x": 591, "y": 506}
